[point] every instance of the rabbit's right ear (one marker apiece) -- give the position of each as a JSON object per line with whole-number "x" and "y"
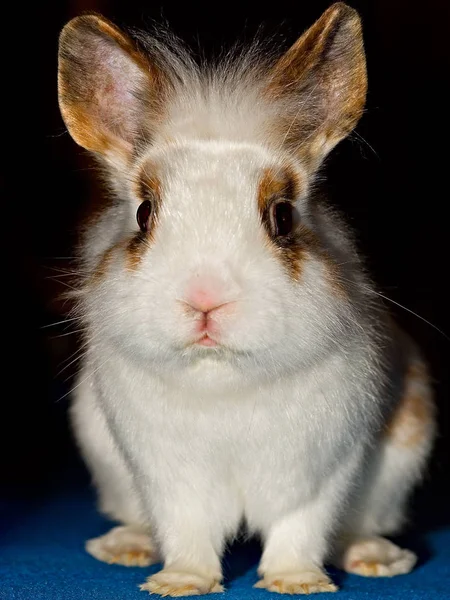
{"x": 109, "y": 92}
{"x": 322, "y": 80}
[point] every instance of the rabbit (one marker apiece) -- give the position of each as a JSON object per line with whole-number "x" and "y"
{"x": 240, "y": 369}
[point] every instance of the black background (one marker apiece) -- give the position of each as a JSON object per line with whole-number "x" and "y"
{"x": 390, "y": 180}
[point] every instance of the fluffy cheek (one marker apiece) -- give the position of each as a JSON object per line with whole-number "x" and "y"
{"x": 142, "y": 311}
{"x": 259, "y": 321}
{"x": 293, "y": 323}
{"x": 271, "y": 315}
{"x": 128, "y": 310}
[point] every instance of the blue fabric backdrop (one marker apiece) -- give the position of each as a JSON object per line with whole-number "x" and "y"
{"x": 42, "y": 558}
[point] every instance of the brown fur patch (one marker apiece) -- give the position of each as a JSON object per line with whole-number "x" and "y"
{"x": 135, "y": 249}
{"x": 322, "y": 78}
{"x": 149, "y": 184}
{"x": 103, "y": 265}
{"x": 413, "y": 418}
{"x": 332, "y": 274}
{"x": 275, "y": 184}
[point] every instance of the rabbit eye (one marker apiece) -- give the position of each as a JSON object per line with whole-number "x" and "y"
{"x": 282, "y": 218}
{"x": 143, "y": 215}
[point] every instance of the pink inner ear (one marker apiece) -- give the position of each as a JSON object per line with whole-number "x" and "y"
{"x": 115, "y": 103}
{"x": 102, "y": 86}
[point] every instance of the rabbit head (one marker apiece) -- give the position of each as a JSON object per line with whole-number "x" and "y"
{"x": 213, "y": 258}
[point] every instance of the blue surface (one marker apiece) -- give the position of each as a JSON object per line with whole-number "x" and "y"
{"x": 42, "y": 557}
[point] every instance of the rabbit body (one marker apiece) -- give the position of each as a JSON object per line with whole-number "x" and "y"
{"x": 239, "y": 367}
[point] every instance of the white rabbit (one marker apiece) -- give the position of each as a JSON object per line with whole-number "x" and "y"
{"x": 239, "y": 367}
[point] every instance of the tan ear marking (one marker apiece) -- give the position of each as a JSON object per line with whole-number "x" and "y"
{"x": 321, "y": 83}
{"x": 109, "y": 92}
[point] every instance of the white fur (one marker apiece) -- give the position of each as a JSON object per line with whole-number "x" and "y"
{"x": 274, "y": 428}
{"x": 279, "y": 425}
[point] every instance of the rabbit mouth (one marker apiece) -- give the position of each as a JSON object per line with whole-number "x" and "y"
{"x": 207, "y": 342}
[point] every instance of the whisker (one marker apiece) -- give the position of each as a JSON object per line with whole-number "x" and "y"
{"x": 360, "y": 137}
{"x": 59, "y": 322}
{"x": 78, "y": 354}
{"x": 55, "y": 337}
{"x": 375, "y": 292}
{"x": 84, "y": 380}
{"x": 64, "y": 283}
{"x": 413, "y": 313}
{"x": 58, "y": 258}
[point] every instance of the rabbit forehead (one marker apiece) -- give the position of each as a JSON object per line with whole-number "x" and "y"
{"x": 200, "y": 171}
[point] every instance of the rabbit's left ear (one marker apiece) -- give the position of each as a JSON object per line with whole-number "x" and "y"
{"x": 321, "y": 82}
{"x": 110, "y": 93}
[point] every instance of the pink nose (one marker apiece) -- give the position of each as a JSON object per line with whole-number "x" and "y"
{"x": 203, "y": 300}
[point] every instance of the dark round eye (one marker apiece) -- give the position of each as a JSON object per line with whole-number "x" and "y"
{"x": 282, "y": 218}
{"x": 144, "y": 212}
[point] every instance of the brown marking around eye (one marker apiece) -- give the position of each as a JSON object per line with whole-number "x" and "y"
{"x": 293, "y": 249}
{"x": 147, "y": 187}
{"x": 135, "y": 249}
{"x": 312, "y": 245}
{"x": 412, "y": 421}
{"x": 104, "y": 263}
{"x": 277, "y": 183}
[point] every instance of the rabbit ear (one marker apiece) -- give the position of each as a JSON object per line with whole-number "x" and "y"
{"x": 109, "y": 92}
{"x": 322, "y": 82}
